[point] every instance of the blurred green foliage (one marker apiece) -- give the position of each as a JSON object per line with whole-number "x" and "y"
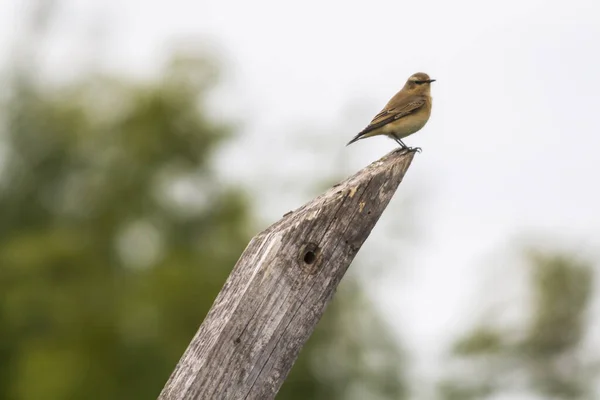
{"x": 351, "y": 355}
{"x": 115, "y": 234}
{"x": 544, "y": 356}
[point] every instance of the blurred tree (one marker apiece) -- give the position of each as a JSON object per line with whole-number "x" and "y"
{"x": 351, "y": 355}
{"x": 116, "y": 234}
{"x": 543, "y": 357}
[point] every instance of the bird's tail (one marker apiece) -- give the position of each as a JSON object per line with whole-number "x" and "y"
{"x": 357, "y": 137}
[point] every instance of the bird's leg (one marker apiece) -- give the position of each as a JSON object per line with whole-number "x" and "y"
{"x": 405, "y": 147}
{"x": 400, "y": 142}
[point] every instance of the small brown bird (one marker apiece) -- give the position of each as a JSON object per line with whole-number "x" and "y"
{"x": 406, "y": 113}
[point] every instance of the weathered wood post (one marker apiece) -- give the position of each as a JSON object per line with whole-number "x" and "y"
{"x": 279, "y": 288}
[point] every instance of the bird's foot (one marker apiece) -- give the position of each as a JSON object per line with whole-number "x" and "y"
{"x": 409, "y": 149}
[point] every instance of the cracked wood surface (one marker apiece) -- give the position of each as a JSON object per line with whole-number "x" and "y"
{"x": 279, "y": 288}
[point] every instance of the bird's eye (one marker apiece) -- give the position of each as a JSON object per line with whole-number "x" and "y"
{"x": 419, "y": 82}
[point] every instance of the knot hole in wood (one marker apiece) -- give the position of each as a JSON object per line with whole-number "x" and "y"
{"x": 309, "y": 256}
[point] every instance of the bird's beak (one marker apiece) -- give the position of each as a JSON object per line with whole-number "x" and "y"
{"x": 431, "y": 80}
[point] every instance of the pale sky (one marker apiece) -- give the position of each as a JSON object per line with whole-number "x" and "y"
{"x": 512, "y": 147}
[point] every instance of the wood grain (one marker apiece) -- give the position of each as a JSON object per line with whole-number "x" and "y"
{"x": 279, "y": 288}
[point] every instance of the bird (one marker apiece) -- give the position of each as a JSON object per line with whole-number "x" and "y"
{"x": 406, "y": 113}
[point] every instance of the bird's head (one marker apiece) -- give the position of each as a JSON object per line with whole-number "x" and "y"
{"x": 418, "y": 83}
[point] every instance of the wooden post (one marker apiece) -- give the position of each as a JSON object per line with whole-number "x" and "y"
{"x": 279, "y": 288}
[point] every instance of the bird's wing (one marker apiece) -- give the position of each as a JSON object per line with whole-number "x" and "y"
{"x": 393, "y": 113}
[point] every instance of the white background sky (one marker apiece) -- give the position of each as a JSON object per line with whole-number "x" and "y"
{"x": 512, "y": 147}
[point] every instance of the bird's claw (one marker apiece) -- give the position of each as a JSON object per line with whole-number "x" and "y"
{"x": 410, "y": 149}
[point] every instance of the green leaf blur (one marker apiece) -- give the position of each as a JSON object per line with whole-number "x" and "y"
{"x": 107, "y": 270}
{"x": 545, "y": 355}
